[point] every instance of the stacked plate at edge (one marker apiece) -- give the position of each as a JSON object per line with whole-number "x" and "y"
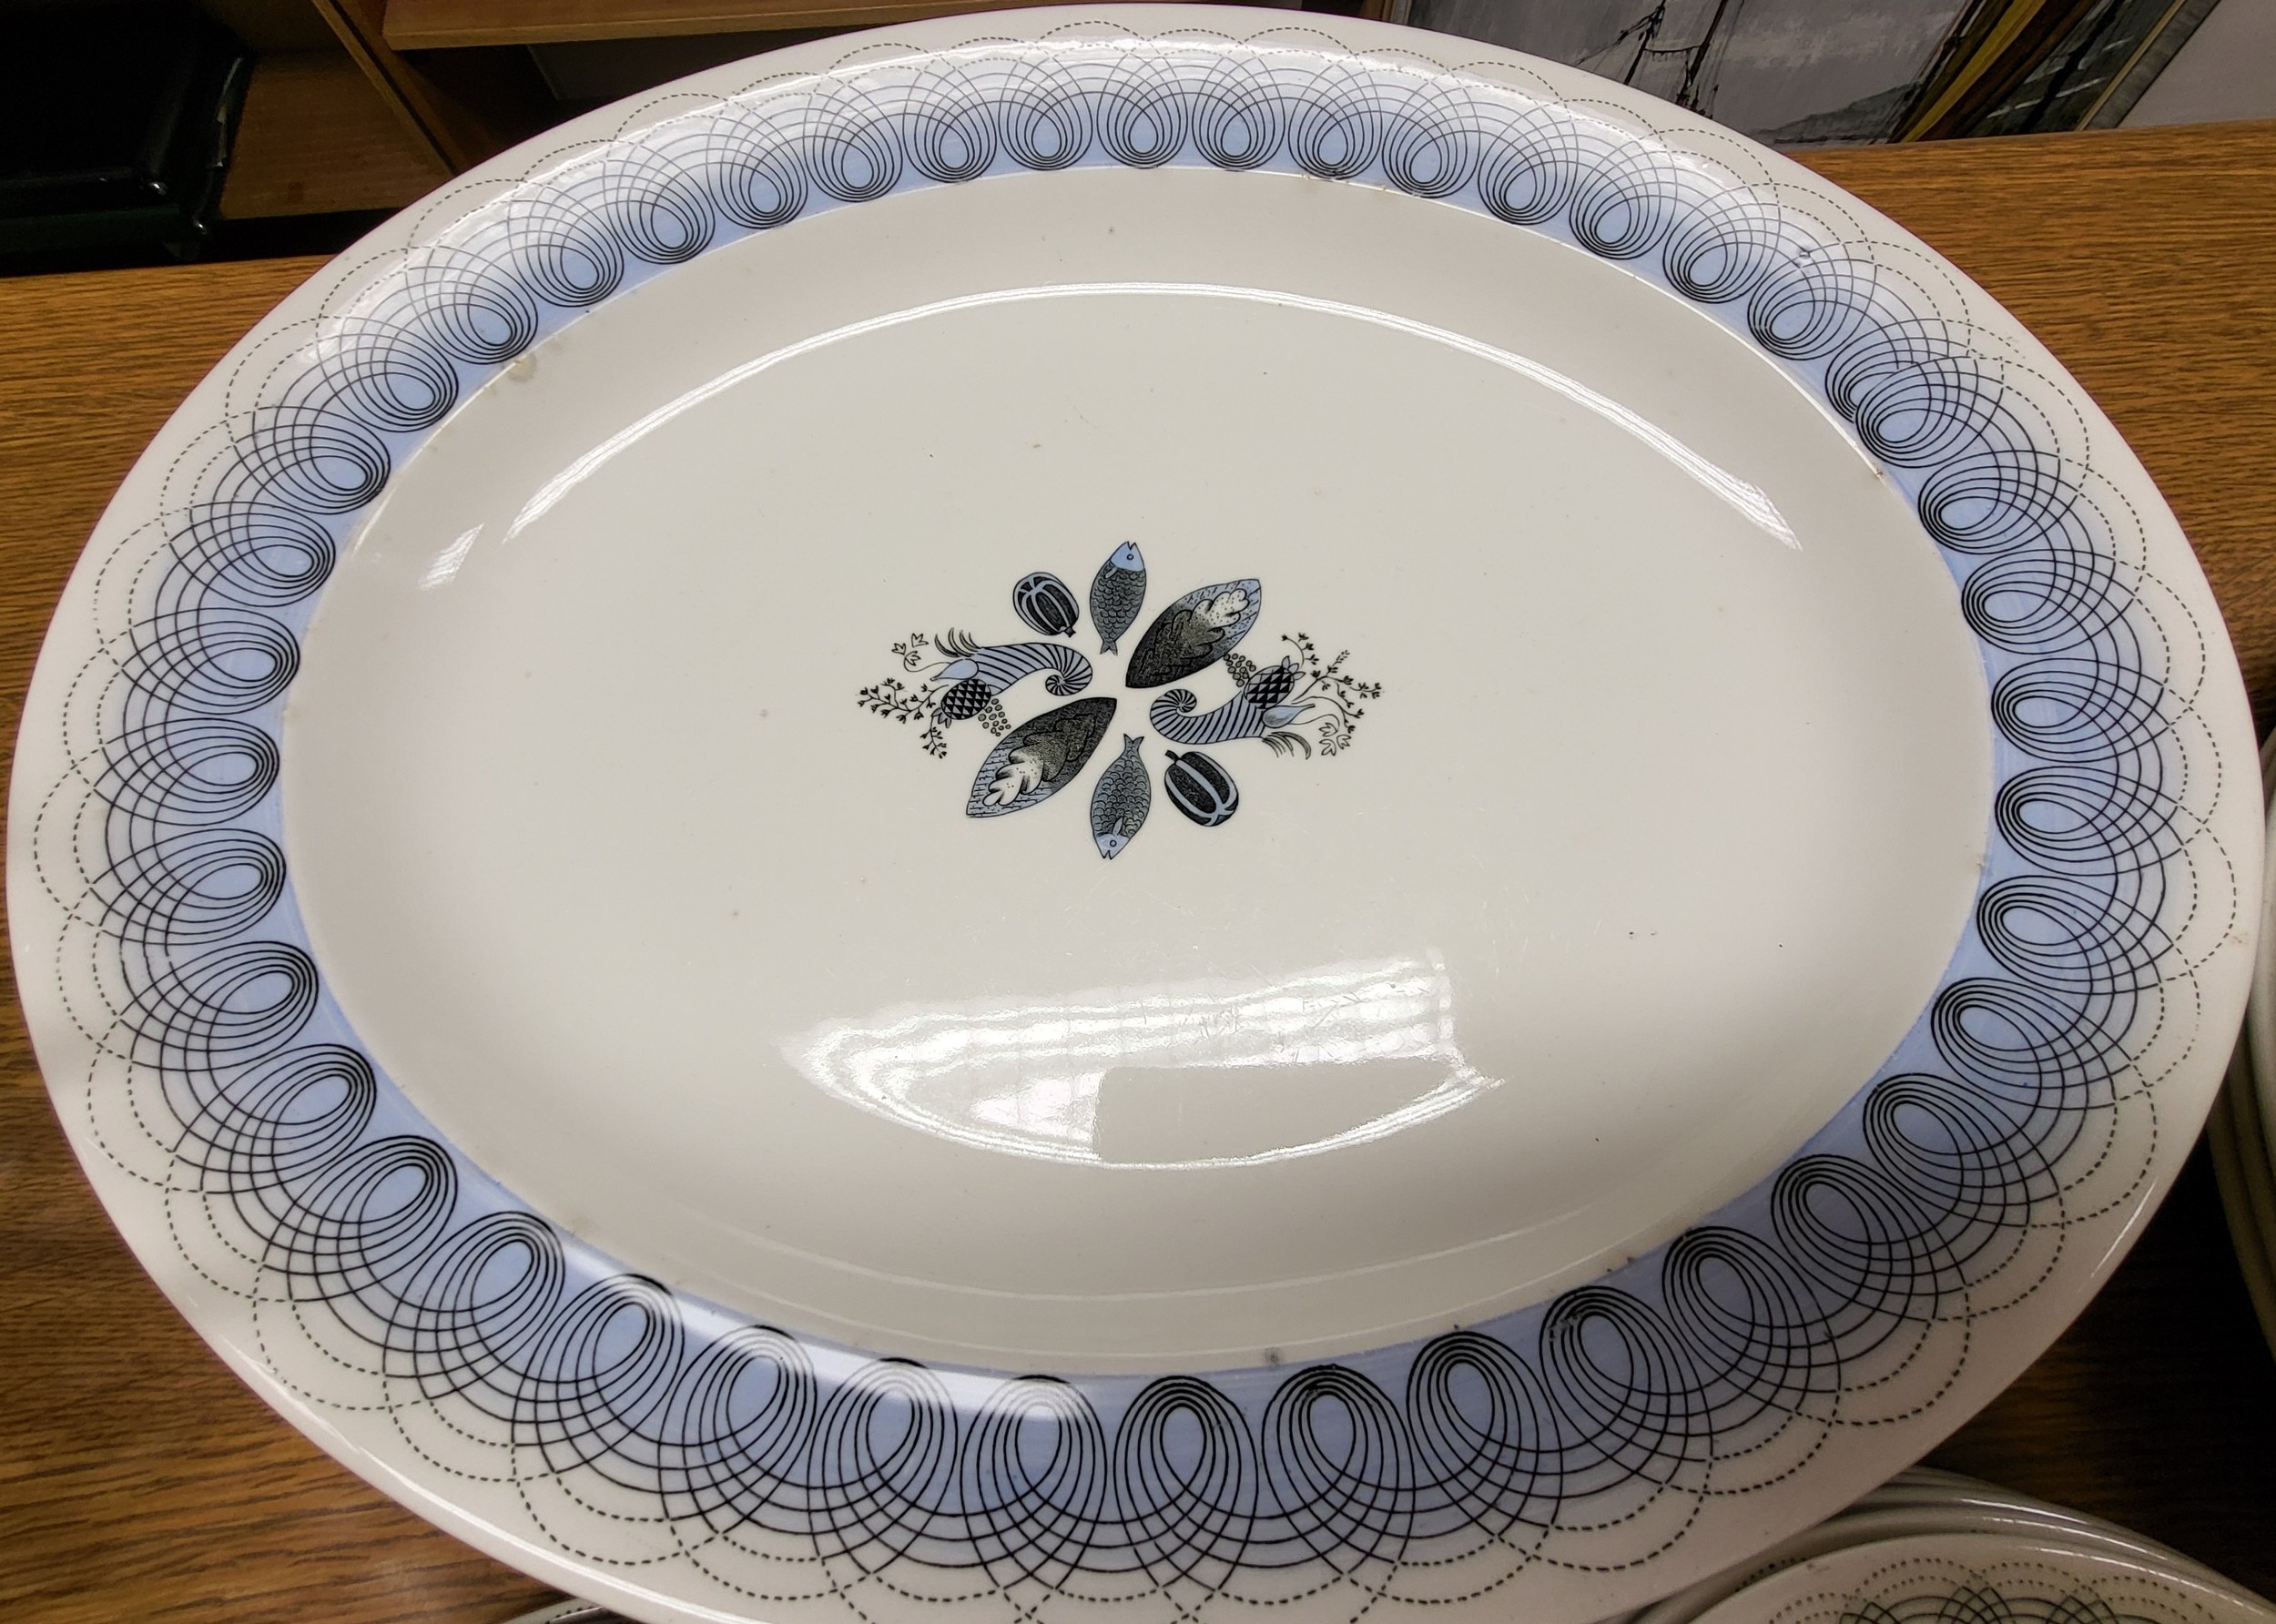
{"x": 1927, "y": 1546}
{"x": 1930, "y": 1545}
{"x": 2244, "y": 1158}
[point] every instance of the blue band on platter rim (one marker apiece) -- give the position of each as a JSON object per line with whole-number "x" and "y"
{"x": 1583, "y": 1431}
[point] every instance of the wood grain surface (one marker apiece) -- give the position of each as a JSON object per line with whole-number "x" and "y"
{"x": 316, "y": 137}
{"x": 138, "y": 1479}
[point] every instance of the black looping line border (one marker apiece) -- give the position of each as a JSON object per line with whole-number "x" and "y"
{"x": 1573, "y": 1416}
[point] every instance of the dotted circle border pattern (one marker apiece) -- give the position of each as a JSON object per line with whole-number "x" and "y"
{"x": 635, "y": 1429}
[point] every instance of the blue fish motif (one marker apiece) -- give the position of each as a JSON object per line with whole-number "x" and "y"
{"x": 1117, "y": 593}
{"x": 1121, "y": 800}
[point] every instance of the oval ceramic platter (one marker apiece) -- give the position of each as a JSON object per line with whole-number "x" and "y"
{"x": 1130, "y": 813}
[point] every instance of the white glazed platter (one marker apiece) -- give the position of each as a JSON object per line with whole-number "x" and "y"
{"x": 1646, "y": 897}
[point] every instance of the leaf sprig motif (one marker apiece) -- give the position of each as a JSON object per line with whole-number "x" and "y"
{"x": 1337, "y": 690}
{"x": 892, "y": 697}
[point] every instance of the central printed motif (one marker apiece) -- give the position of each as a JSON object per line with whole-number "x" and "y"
{"x": 1295, "y": 706}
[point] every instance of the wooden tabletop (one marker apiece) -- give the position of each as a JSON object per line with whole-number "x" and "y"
{"x": 138, "y": 1479}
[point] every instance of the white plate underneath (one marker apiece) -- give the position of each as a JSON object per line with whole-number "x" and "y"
{"x": 1927, "y": 1510}
{"x": 1460, "y": 865}
{"x": 2031, "y": 1579}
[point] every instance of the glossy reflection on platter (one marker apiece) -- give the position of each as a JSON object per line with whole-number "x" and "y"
{"x": 1650, "y": 695}
{"x": 1126, "y": 815}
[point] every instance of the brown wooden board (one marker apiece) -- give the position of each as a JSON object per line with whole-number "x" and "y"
{"x": 315, "y": 137}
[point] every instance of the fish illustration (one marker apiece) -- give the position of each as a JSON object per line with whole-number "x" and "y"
{"x": 1195, "y": 633}
{"x": 1045, "y": 604}
{"x": 1038, "y": 759}
{"x": 1121, "y": 800}
{"x": 1200, "y": 788}
{"x": 1261, "y": 707}
{"x": 1117, "y": 593}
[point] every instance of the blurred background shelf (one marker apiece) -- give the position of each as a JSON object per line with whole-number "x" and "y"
{"x": 238, "y": 128}
{"x": 427, "y": 25}
{"x": 316, "y": 136}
